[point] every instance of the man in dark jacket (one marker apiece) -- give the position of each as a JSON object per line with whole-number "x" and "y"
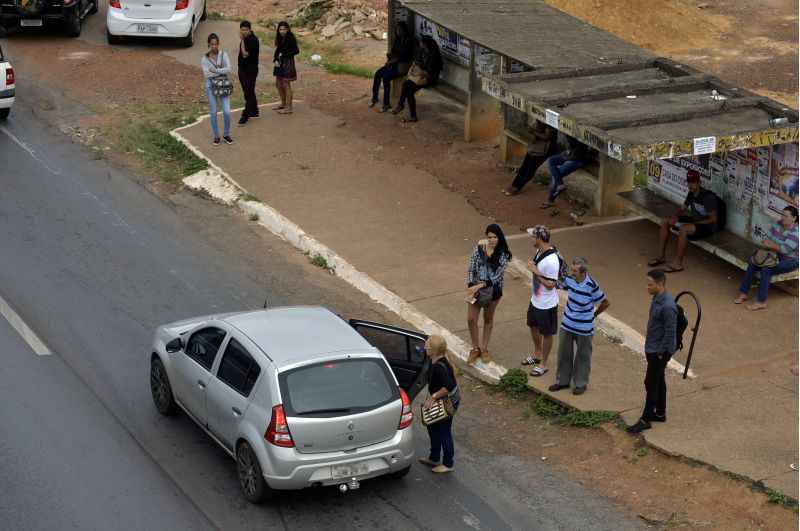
{"x": 397, "y": 64}
{"x": 248, "y": 70}
{"x": 659, "y": 346}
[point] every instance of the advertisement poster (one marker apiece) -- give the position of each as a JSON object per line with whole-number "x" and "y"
{"x": 783, "y": 177}
{"x": 451, "y": 44}
{"x": 668, "y": 176}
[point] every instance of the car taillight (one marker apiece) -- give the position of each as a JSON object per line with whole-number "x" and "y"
{"x": 9, "y": 76}
{"x": 278, "y": 429}
{"x": 181, "y": 4}
{"x": 115, "y": 4}
{"x": 407, "y": 415}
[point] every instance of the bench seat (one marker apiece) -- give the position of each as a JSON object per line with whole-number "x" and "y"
{"x": 726, "y": 245}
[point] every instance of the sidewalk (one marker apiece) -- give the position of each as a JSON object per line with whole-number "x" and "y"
{"x": 398, "y": 226}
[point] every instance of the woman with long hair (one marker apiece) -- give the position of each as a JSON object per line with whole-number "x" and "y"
{"x": 216, "y": 67}
{"x": 442, "y": 384}
{"x": 424, "y": 73}
{"x": 285, "y": 72}
{"x": 487, "y": 266}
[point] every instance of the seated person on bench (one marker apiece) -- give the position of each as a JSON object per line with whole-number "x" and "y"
{"x": 543, "y": 146}
{"x": 562, "y": 164}
{"x": 695, "y": 220}
{"x": 782, "y": 240}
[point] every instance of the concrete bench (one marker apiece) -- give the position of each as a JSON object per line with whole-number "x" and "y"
{"x": 726, "y": 245}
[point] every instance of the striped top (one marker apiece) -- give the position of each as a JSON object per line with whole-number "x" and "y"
{"x": 581, "y": 300}
{"x": 785, "y": 238}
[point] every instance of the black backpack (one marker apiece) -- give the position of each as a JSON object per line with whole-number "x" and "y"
{"x": 681, "y": 324}
{"x": 563, "y": 267}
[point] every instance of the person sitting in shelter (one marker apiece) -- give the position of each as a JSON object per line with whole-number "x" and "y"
{"x": 782, "y": 243}
{"x": 543, "y": 146}
{"x": 397, "y": 64}
{"x": 696, "y": 219}
{"x": 423, "y": 73}
{"x": 576, "y": 156}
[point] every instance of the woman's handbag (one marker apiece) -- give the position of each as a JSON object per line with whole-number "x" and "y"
{"x": 221, "y": 86}
{"x": 440, "y": 410}
{"x": 418, "y": 76}
{"x": 764, "y": 258}
{"x": 483, "y": 297}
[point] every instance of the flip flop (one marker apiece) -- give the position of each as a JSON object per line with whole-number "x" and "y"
{"x": 656, "y": 262}
{"x": 672, "y": 269}
{"x": 739, "y": 300}
{"x": 545, "y": 206}
{"x": 530, "y": 360}
{"x": 755, "y": 307}
{"x": 539, "y": 371}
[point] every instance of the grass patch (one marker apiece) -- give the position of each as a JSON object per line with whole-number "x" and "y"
{"x": 776, "y": 497}
{"x": 514, "y": 383}
{"x": 320, "y": 261}
{"x": 311, "y": 13}
{"x": 158, "y": 151}
{"x": 587, "y": 419}
{"x": 333, "y": 58}
{"x": 640, "y": 174}
{"x": 250, "y": 197}
{"x": 547, "y": 408}
{"x": 214, "y": 15}
{"x": 641, "y": 452}
{"x": 347, "y": 69}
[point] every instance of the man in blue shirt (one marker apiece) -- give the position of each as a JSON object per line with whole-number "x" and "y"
{"x": 659, "y": 346}
{"x": 577, "y": 328}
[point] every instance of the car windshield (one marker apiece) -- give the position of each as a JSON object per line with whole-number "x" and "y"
{"x": 336, "y": 388}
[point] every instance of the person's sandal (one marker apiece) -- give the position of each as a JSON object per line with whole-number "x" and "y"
{"x": 530, "y": 360}
{"x": 486, "y": 356}
{"x": 474, "y": 354}
{"x": 539, "y": 371}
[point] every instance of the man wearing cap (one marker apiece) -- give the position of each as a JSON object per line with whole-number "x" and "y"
{"x": 543, "y": 308}
{"x": 696, "y": 219}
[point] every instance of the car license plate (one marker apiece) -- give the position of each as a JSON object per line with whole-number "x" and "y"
{"x": 349, "y": 471}
{"x": 30, "y": 22}
{"x": 147, "y": 28}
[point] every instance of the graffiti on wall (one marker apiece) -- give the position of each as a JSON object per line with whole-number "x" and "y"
{"x": 452, "y": 45}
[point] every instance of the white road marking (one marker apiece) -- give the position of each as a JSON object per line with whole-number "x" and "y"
{"x": 28, "y": 335}
{"x": 28, "y": 149}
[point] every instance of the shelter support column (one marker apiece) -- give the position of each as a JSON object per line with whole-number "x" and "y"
{"x": 613, "y": 177}
{"x": 482, "y": 116}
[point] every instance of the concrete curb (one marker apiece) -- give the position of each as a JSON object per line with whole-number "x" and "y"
{"x": 610, "y": 326}
{"x": 214, "y": 179}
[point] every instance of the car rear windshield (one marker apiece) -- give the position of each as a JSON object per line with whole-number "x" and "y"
{"x": 336, "y": 388}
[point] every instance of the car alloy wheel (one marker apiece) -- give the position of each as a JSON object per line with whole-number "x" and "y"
{"x": 251, "y": 479}
{"x": 161, "y": 389}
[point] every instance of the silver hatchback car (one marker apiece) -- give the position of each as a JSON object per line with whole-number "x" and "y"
{"x": 297, "y": 396}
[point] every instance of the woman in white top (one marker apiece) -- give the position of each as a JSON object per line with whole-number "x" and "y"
{"x": 216, "y": 63}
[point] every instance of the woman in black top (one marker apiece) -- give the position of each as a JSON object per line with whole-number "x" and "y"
{"x": 442, "y": 382}
{"x": 285, "y": 50}
{"x": 397, "y": 65}
{"x": 424, "y": 73}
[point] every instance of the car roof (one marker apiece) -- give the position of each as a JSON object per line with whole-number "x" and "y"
{"x": 295, "y": 334}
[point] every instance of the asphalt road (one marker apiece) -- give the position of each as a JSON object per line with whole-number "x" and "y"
{"x": 92, "y": 262}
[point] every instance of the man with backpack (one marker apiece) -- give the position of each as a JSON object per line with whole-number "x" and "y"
{"x": 701, "y": 215}
{"x": 548, "y": 270}
{"x": 659, "y": 346}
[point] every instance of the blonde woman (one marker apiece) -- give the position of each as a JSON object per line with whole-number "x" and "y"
{"x": 442, "y": 382}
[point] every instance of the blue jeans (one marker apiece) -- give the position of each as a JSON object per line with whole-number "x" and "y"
{"x": 441, "y": 435}
{"x": 212, "y": 111}
{"x": 784, "y": 266}
{"x": 560, "y": 167}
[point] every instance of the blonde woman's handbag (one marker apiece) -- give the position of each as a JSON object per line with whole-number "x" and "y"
{"x": 418, "y": 75}
{"x": 440, "y": 410}
{"x": 764, "y": 258}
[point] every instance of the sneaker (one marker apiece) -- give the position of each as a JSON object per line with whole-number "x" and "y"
{"x": 228, "y": 140}
{"x": 215, "y": 141}
{"x": 441, "y": 469}
{"x": 243, "y": 120}
{"x": 428, "y": 462}
{"x": 579, "y": 390}
{"x": 373, "y": 103}
{"x": 557, "y": 387}
{"x": 639, "y": 427}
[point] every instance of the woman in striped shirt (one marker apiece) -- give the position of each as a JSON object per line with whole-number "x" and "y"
{"x": 487, "y": 265}
{"x": 782, "y": 239}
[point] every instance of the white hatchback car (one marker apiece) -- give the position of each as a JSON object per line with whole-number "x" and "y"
{"x": 297, "y": 396}
{"x": 7, "y": 86}
{"x": 176, "y": 19}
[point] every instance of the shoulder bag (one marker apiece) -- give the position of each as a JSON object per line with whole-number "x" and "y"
{"x": 221, "y": 86}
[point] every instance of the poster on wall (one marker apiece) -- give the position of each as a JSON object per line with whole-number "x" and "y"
{"x": 783, "y": 176}
{"x": 451, "y": 44}
{"x": 487, "y": 62}
{"x": 668, "y": 176}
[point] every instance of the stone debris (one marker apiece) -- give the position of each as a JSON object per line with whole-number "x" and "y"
{"x": 328, "y": 19}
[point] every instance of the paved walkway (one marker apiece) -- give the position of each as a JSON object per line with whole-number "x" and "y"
{"x": 400, "y": 227}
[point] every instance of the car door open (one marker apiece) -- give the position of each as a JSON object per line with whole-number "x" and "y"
{"x": 403, "y": 349}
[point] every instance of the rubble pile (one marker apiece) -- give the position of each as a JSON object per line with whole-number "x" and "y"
{"x": 339, "y": 18}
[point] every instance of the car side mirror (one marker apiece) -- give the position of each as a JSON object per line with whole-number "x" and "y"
{"x": 174, "y": 346}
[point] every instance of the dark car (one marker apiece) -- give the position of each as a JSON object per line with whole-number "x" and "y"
{"x": 16, "y": 14}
